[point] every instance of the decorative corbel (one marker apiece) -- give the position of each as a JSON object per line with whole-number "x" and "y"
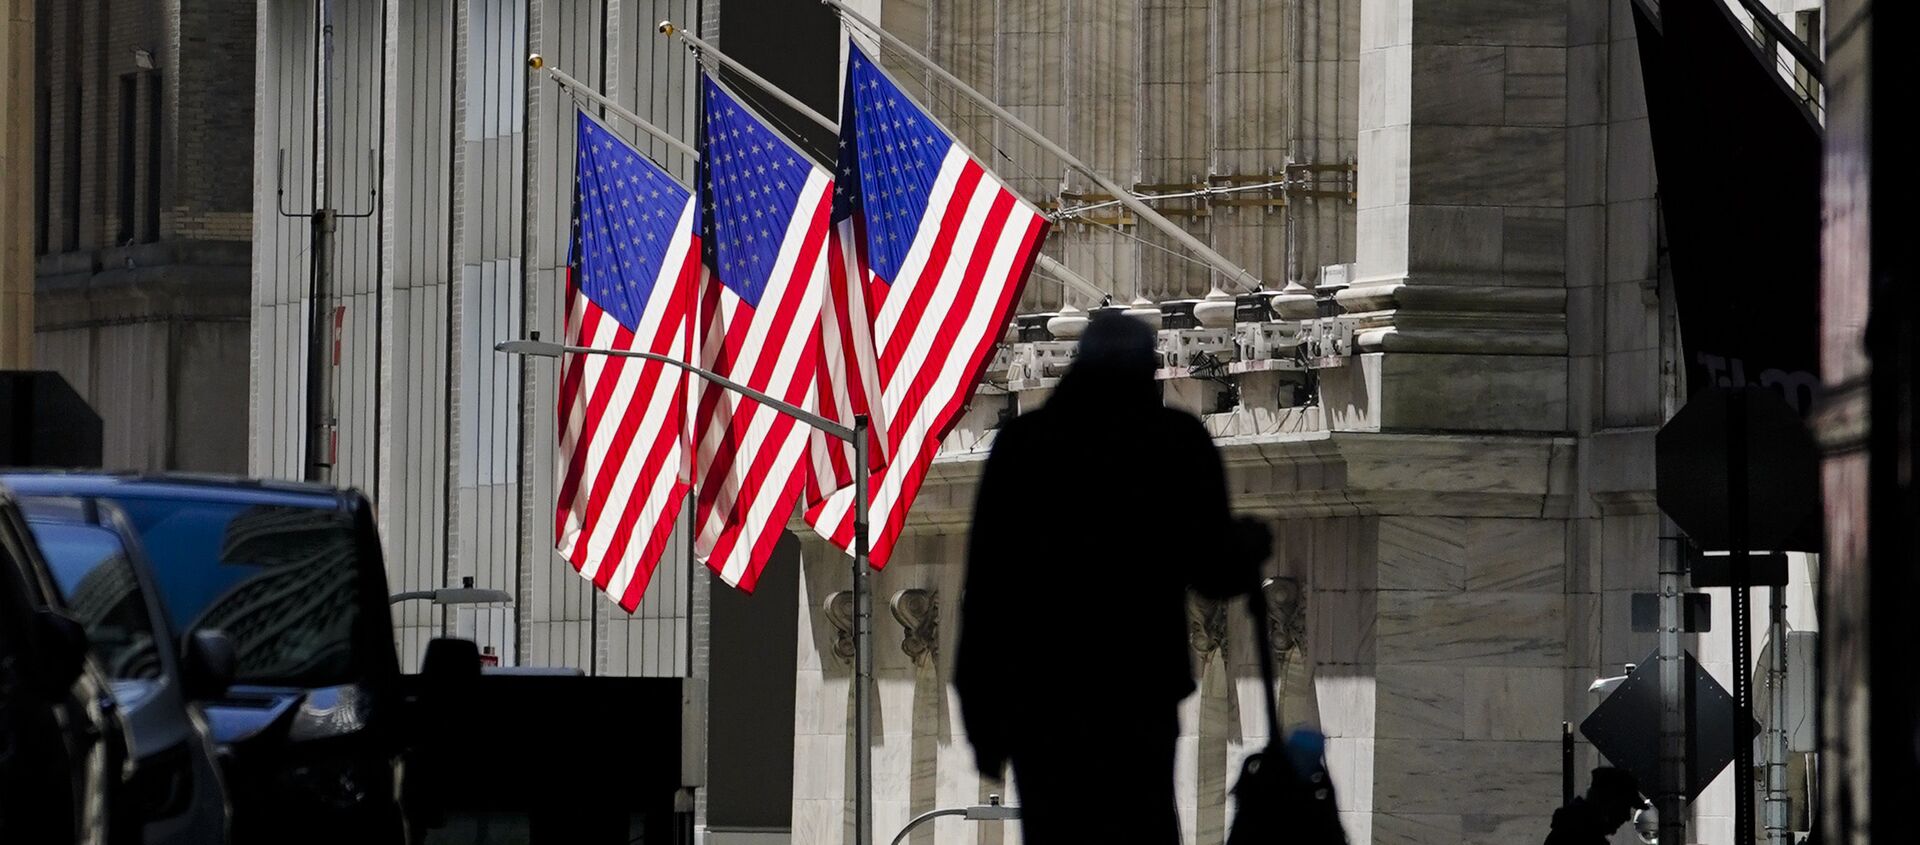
{"x": 1286, "y": 617}
{"x": 1206, "y": 624}
{"x": 838, "y": 608}
{"x": 918, "y": 611}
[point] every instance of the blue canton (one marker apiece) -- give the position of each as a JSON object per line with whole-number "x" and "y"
{"x": 625, "y": 210}
{"x": 751, "y": 179}
{"x": 890, "y": 155}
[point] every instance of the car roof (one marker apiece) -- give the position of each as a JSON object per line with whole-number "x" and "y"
{"x": 189, "y": 486}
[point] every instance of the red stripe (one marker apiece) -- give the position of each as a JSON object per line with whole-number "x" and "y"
{"x": 600, "y": 391}
{"x": 881, "y": 543}
{"x": 882, "y": 546}
{"x": 635, "y": 503}
{"x": 781, "y": 328}
{"x": 738, "y": 427}
{"x": 657, "y": 540}
{"x": 936, "y": 267}
{"x": 972, "y": 285}
{"x": 768, "y": 538}
{"x": 630, "y": 419}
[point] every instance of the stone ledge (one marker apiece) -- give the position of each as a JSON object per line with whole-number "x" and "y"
{"x": 1339, "y": 474}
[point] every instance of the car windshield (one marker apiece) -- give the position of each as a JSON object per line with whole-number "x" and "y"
{"x": 97, "y": 582}
{"x": 282, "y": 581}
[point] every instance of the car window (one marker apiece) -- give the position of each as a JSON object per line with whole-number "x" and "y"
{"x": 97, "y": 582}
{"x": 282, "y": 581}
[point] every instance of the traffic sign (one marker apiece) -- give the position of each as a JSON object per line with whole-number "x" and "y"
{"x": 1625, "y": 728}
{"x": 1720, "y": 435}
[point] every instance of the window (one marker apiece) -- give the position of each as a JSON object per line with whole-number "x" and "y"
{"x": 283, "y": 582}
{"x": 150, "y": 224}
{"x": 72, "y": 187}
{"x": 98, "y": 584}
{"x": 42, "y": 177}
{"x": 129, "y": 108}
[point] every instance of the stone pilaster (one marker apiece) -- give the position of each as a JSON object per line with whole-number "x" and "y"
{"x": 17, "y": 213}
{"x": 1461, "y": 258}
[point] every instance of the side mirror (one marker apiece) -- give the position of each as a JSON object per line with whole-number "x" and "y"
{"x": 63, "y": 647}
{"x": 209, "y": 664}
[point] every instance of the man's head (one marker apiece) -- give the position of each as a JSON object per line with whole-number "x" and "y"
{"x": 1117, "y": 344}
{"x": 1615, "y": 794}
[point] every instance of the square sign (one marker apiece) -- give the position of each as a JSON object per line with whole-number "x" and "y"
{"x": 1625, "y": 728}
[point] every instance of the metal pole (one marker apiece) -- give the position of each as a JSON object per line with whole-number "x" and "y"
{"x": 320, "y": 285}
{"x": 1777, "y": 800}
{"x": 1231, "y": 270}
{"x": 1670, "y": 791}
{"x": 670, "y": 29}
{"x": 862, "y": 646}
{"x": 575, "y": 86}
{"x": 1566, "y": 764}
{"x": 1740, "y": 566}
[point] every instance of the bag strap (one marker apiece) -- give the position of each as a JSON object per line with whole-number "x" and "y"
{"x": 1263, "y": 647}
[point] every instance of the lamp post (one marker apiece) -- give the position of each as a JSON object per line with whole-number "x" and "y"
{"x": 992, "y": 811}
{"x": 862, "y": 592}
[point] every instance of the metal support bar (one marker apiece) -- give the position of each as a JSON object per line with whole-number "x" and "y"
{"x": 1232, "y": 271}
{"x": 1801, "y": 52}
{"x": 673, "y": 30}
{"x": 546, "y": 349}
{"x": 574, "y": 86}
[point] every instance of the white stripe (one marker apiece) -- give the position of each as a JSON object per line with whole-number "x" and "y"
{"x": 759, "y": 518}
{"x": 953, "y": 372}
{"x": 761, "y": 417}
{"x": 651, "y": 509}
{"x": 751, "y": 346}
{"x": 659, "y": 298}
{"x": 952, "y": 280}
{"x": 915, "y": 264}
{"x": 607, "y": 524}
{"x": 860, "y": 286}
{"x": 956, "y": 367}
{"x": 792, "y": 347}
{"x": 605, "y": 332}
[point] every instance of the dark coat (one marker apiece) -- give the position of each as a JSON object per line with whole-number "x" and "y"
{"x": 1095, "y": 515}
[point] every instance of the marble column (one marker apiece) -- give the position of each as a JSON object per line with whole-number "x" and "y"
{"x": 17, "y": 213}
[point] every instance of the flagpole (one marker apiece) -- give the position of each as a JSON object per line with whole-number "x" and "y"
{"x": 699, "y": 45}
{"x": 862, "y": 586}
{"x": 575, "y": 86}
{"x": 1122, "y": 195}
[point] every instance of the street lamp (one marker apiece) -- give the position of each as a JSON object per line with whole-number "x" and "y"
{"x": 466, "y": 593}
{"x": 862, "y": 593}
{"x": 992, "y": 811}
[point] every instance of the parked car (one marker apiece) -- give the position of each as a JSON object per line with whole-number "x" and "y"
{"x": 63, "y": 747}
{"x": 101, "y": 572}
{"x": 292, "y": 574}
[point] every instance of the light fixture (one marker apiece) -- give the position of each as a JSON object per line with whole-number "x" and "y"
{"x": 142, "y": 59}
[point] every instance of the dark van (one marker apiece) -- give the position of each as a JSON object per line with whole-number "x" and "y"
{"x": 292, "y": 575}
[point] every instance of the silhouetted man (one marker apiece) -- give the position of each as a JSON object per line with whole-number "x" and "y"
{"x": 1095, "y": 515}
{"x": 1611, "y": 798}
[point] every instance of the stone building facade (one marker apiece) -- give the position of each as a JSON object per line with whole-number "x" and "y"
{"x": 1446, "y": 412}
{"x": 143, "y": 202}
{"x": 1462, "y": 488}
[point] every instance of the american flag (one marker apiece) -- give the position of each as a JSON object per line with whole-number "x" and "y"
{"x": 765, "y": 213}
{"x": 631, "y": 274}
{"x": 938, "y": 249}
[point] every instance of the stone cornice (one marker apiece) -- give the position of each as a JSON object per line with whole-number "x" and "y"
{"x": 1392, "y": 315}
{"x": 1337, "y": 474}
